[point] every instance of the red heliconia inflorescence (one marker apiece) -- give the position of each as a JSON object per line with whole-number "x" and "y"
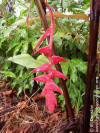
{"x": 50, "y": 86}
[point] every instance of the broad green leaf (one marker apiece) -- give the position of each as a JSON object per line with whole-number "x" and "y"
{"x": 28, "y": 61}
{"x": 8, "y": 74}
{"x": 24, "y": 59}
{"x": 41, "y": 60}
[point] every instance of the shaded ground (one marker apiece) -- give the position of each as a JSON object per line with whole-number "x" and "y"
{"x": 27, "y": 114}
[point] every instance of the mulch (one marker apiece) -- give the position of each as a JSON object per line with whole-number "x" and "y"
{"x": 27, "y": 114}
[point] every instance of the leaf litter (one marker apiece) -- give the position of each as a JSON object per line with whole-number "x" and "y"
{"x": 23, "y": 115}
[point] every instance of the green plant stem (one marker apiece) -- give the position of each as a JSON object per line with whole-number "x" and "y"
{"x": 41, "y": 11}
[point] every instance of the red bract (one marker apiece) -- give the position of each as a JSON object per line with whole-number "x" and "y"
{"x": 51, "y": 101}
{"x": 50, "y": 86}
{"x": 45, "y": 50}
{"x": 43, "y": 68}
{"x": 55, "y": 74}
{"x": 43, "y": 78}
{"x": 47, "y": 33}
{"x": 57, "y": 59}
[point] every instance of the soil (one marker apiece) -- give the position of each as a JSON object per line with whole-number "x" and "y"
{"x": 28, "y": 114}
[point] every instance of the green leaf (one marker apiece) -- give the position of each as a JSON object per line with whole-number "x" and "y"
{"x": 7, "y": 32}
{"x": 11, "y": 46}
{"x": 28, "y": 61}
{"x": 97, "y": 91}
{"x": 24, "y": 59}
{"x": 19, "y": 91}
{"x": 23, "y": 33}
{"x": 8, "y": 74}
{"x": 5, "y": 1}
{"x": 73, "y": 76}
{"x": 65, "y": 67}
{"x": 16, "y": 50}
{"x": 80, "y": 65}
{"x": 41, "y": 60}
{"x": 96, "y": 112}
{"x": 24, "y": 47}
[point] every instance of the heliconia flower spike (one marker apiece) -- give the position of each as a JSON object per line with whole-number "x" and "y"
{"x": 51, "y": 101}
{"x": 47, "y": 33}
{"x": 43, "y": 78}
{"x": 45, "y": 50}
{"x": 57, "y": 59}
{"x": 43, "y": 68}
{"x": 50, "y": 86}
{"x": 55, "y": 73}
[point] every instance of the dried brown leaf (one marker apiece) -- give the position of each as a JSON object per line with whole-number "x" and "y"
{"x": 7, "y": 93}
{"x": 8, "y": 131}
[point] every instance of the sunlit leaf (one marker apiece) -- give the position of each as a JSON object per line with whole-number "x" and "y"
{"x": 8, "y": 74}
{"x": 24, "y": 59}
